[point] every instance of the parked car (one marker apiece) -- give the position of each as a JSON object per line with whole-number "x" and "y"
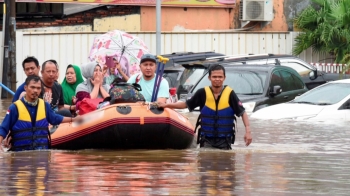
{"x": 178, "y": 74}
{"x": 304, "y": 69}
{"x": 259, "y": 86}
{"x": 326, "y": 102}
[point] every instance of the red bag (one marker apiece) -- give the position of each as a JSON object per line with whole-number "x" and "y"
{"x": 88, "y": 105}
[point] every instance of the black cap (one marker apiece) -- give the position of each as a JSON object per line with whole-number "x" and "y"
{"x": 148, "y": 57}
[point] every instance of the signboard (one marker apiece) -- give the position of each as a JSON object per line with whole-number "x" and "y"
{"x": 173, "y": 3}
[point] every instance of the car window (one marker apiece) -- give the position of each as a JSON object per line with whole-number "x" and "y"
{"x": 330, "y": 93}
{"x": 298, "y": 83}
{"x": 301, "y": 69}
{"x": 289, "y": 83}
{"x": 276, "y": 79}
{"x": 242, "y": 82}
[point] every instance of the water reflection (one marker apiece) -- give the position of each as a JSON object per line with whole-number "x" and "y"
{"x": 285, "y": 158}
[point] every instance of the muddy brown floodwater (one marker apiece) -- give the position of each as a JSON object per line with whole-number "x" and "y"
{"x": 285, "y": 158}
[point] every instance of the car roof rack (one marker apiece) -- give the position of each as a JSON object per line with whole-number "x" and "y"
{"x": 228, "y": 56}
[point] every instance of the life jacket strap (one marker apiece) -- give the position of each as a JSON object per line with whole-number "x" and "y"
{"x": 216, "y": 117}
{"x": 217, "y": 125}
{"x": 32, "y": 129}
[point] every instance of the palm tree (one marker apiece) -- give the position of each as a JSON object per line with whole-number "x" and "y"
{"x": 325, "y": 27}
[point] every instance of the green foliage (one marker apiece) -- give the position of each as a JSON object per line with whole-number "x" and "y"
{"x": 346, "y": 61}
{"x": 325, "y": 27}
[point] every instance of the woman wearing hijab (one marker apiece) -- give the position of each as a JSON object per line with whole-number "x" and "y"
{"x": 93, "y": 86}
{"x": 70, "y": 82}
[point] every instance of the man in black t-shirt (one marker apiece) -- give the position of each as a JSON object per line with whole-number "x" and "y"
{"x": 219, "y": 105}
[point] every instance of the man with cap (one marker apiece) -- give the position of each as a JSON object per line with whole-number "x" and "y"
{"x": 147, "y": 77}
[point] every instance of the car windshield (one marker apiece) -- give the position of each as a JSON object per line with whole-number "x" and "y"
{"x": 190, "y": 76}
{"x": 172, "y": 78}
{"x": 242, "y": 82}
{"x": 328, "y": 94}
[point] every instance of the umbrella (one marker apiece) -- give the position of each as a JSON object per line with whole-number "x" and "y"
{"x": 120, "y": 44}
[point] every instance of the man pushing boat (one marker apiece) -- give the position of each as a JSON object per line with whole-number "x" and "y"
{"x": 219, "y": 105}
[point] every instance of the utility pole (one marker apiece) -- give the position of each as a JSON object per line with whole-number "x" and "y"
{"x": 158, "y": 26}
{"x": 12, "y": 46}
{"x": 5, "y": 63}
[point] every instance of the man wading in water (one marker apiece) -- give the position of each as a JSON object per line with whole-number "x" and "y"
{"x": 28, "y": 119}
{"x": 219, "y": 105}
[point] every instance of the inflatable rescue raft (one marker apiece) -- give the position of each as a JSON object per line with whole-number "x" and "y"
{"x": 125, "y": 126}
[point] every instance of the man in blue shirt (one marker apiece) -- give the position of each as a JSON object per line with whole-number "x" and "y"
{"x": 31, "y": 67}
{"x": 147, "y": 78}
{"x": 29, "y": 118}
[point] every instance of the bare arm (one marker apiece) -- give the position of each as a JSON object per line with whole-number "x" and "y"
{"x": 60, "y": 107}
{"x": 161, "y": 100}
{"x": 247, "y": 137}
{"x": 125, "y": 77}
{"x": 1, "y": 138}
{"x": 177, "y": 105}
{"x": 69, "y": 107}
{"x": 104, "y": 93}
{"x": 94, "y": 92}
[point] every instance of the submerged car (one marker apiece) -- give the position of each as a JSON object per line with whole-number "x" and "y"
{"x": 259, "y": 86}
{"x": 328, "y": 101}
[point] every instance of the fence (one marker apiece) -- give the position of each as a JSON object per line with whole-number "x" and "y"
{"x": 73, "y": 48}
{"x": 332, "y": 68}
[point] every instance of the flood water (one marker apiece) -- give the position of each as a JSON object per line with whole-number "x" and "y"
{"x": 285, "y": 158}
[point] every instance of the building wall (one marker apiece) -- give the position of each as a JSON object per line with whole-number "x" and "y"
{"x": 181, "y": 19}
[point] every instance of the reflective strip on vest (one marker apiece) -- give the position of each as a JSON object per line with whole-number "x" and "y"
{"x": 217, "y": 118}
{"x": 24, "y": 135}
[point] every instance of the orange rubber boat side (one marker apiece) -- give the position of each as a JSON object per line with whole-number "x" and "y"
{"x": 126, "y": 126}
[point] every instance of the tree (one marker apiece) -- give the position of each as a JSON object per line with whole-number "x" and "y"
{"x": 325, "y": 27}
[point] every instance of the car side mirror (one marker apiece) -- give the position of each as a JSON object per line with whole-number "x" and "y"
{"x": 276, "y": 90}
{"x": 313, "y": 74}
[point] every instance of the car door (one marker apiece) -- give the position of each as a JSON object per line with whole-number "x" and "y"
{"x": 275, "y": 80}
{"x": 292, "y": 85}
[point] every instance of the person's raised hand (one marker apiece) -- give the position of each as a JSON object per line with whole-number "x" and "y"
{"x": 97, "y": 80}
{"x": 104, "y": 70}
{"x": 118, "y": 66}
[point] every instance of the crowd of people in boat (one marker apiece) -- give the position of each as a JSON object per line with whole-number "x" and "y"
{"x": 41, "y": 101}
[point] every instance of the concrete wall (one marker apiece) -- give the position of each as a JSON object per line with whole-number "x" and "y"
{"x": 292, "y": 8}
{"x": 125, "y": 23}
